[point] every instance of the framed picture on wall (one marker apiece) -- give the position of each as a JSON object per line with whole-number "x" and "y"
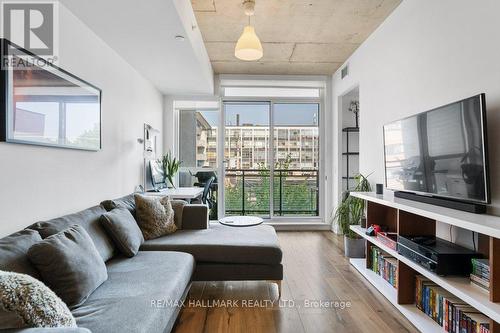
{"x": 46, "y": 105}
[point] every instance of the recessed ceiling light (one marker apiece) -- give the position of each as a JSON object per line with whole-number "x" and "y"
{"x": 179, "y": 38}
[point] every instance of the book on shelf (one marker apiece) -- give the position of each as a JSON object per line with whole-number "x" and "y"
{"x": 484, "y": 276}
{"x": 481, "y": 263}
{"x": 480, "y": 275}
{"x": 384, "y": 265}
{"x": 477, "y": 322}
{"x": 448, "y": 311}
{"x": 481, "y": 268}
{"x": 481, "y": 282}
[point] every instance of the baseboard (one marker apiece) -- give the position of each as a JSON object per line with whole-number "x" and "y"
{"x": 284, "y": 226}
{"x": 296, "y": 226}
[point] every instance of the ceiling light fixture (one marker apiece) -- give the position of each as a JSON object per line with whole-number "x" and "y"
{"x": 179, "y": 38}
{"x": 249, "y": 47}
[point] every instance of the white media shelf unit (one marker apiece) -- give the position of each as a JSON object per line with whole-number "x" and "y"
{"x": 408, "y": 218}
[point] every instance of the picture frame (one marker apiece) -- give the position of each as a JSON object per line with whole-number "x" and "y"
{"x": 45, "y": 105}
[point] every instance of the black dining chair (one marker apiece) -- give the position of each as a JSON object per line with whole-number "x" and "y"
{"x": 206, "y": 198}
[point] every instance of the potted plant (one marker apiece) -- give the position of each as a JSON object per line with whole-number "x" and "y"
{"x": 350, "y": 212}
{"x": 354, "y": 108}
{"x": 170, "y": 166}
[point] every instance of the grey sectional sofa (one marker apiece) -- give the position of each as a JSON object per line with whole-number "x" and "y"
{"x": 135, "y": 297}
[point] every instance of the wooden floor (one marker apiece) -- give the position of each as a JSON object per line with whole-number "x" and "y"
{"x": 314, "y": 270}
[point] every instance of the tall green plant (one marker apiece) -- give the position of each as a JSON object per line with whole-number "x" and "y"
{"x": 170, "y": 166}
{"x": 350, "y": 211}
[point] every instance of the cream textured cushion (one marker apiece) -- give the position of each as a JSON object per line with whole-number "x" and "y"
{"x": 178, "y": 207}
{"x": 27, "y": 302}
{"x": 154, "y": 216}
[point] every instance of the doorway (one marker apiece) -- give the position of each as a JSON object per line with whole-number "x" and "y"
{"x": 350, "y": 138}
{"x": 271, "y": 158}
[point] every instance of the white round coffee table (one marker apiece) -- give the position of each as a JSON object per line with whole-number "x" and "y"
{"x": 241, "y": 221}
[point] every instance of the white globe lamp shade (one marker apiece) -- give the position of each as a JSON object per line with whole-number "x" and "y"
{"x": 248, "y": 47}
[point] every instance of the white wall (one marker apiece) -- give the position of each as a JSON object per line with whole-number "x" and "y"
{"x": 39, "y": 183}
{"x": 426, "y": 54}
{"x": 168, "y": 124}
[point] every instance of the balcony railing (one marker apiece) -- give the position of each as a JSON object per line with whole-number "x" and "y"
{"x": 295, "y": 192}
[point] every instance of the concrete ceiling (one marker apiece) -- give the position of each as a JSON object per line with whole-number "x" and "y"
{"x": 143, "y": 33}
{"x": 298, "y": 36}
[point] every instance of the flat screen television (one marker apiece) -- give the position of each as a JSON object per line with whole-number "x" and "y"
{"x": 441, "y": 153}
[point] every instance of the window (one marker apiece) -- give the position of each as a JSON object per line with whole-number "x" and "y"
{"x": 198, "y": 138}
{"x": 272, "y": 92}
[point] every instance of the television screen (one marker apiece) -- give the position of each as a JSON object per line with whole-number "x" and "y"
{"x": 441, "y": 152}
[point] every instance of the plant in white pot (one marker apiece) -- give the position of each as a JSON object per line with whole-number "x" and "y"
{"x": 350, "y": 212}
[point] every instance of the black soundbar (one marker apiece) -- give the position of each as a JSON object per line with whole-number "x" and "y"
{"x": 453, "y": 204}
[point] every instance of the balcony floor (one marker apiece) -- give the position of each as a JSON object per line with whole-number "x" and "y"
{"x": 314, "y": 269}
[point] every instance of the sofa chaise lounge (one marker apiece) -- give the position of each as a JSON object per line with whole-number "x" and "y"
{"x": 136, "y": 295}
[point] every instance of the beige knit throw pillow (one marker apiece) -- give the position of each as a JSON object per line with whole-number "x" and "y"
{"x": 27, "y": 302}
{"x": 154, "y": 216}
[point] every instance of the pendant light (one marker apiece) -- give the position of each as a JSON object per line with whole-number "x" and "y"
{"x": 249, "y": 47}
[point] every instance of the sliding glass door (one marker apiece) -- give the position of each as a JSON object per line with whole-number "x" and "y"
{"x": 271, "y": 159}
{"x": 296, "y": 159}
{"x": 247, "y": 189}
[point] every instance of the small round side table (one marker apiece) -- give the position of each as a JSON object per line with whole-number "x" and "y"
{"x": 241, "y": 221}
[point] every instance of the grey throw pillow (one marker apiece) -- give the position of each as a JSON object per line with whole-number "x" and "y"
{"x": 14, "y": 249}
{"x": 89, "y": 219}
{"x": 127, "y": 201}
{"x": 155, "y": 216}
{"x": 123, "y": 229}
{"x": 27, "y": 302}
{"x": 69, "y": 264}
